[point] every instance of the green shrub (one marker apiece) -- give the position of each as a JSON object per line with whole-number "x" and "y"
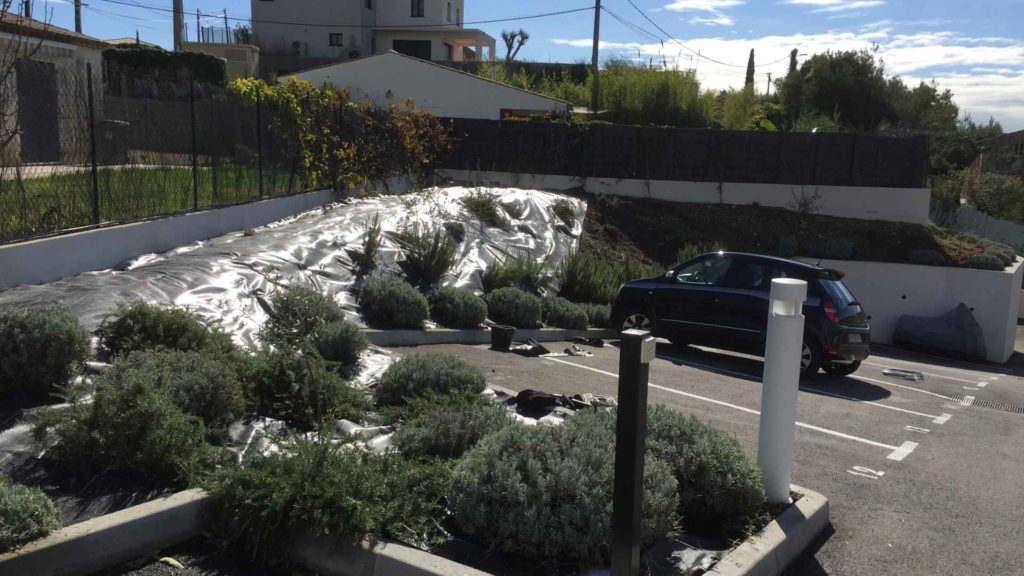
{"x": 300, "y": 390}
{"x": 457, "y": 308}
{"x": 514, "y": 210}
{"x": 523, "y": 272}
{"x": 457, "y": 230}
{"x": 319, "y": 488}
{"x": 25, "y": 514}
{"x": 720, "y": 487}
{"x": 514, "y": 307}
{"x": 485, "y": 207}
{"x": 297, "y": 313}
{"x": 927, "y": 257}
{"x": 690, "y": 251}
{"x": 564, "y": 211}
{"x": 1006, "y": 254}
{"x": 428, "y": 257}
{"x": 985, "y": 262}
{"x": 787, "y": 247}
{"x": 832, "y": 248}
{"x": 561, "y": 313}
{"x": 366, "y": 258}
{"x": 140, "y": 326}
{"x": 598, "y": 315}
{"x": 447, "y": 426}
{"x": 341, "y": 342}
{"x": 390, "y": 302}
{"x": 416, "y": 376}
{"x": 40, "y": 350}
{"x": 200, "y": 385}
{"x": 586, "y": 277}
{"x": 135, "y": 431}
{"x": 545, "y": 493}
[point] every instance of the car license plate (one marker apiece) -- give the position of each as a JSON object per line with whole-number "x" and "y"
{"x": 854, "y": 338}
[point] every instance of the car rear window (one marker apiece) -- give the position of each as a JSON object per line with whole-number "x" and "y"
{"x": 837, "y": 292}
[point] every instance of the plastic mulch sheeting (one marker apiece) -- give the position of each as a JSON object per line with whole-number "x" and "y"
{"x": 231, "y": 277}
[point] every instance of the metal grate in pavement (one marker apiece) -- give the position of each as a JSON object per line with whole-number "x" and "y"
{"x": 989, "y": 404}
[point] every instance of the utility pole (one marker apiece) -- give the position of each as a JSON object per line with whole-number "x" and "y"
{"x": 26, "y": 8}
{"x": 227, "y": 31}
{"x": 199, "y": 33}
{"x": 78, "y": 16}
{"x": 595, "y": 97}
{"x": 179, "y": 23}
{"x": 768, "y": 92}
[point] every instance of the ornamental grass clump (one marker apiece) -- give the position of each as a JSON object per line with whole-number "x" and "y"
{"x": 41, "y": 349}
{"x": 486, "y": 208}
{"x": 26, "y": 514}
{"x": 545, "y": 493}
{"x": 141, "y": 326}
{"x": 340, "y": 342}
{"x": 298, "y": 388}
{"x": 561, "y": 313}
{"x": 449, "y": 425}
{"x": 319, "y": 488}
{"x": 424, "y": 374}
{"x": 523, "y": 271}
{"x": 457, "y": 308}
{"x": 390, "y": 302}
{"x": 514, "y": 307}
{"x": 429, "y": 256}
{"x": 598, "y": 315}
{"x": 298, "y": 313}
{"x": 587, "y": 277}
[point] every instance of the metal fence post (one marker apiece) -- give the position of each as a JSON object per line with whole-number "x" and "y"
{"x": 195, "y": 156}
{"x": 259, "y": 140}
{"x": 92, "y": 146}
{"x": 635, "y": 356}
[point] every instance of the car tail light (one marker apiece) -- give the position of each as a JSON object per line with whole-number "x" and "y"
{"x": 830, "y": 311}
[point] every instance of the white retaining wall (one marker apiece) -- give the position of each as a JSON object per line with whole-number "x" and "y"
{"x": 48, "y": 259}
{"x": 887, "y": 291}
{"x": 893, "y": 204}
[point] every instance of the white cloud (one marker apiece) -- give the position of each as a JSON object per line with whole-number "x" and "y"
{"x": 701, "y": 5}
{"x": 717, "y": 19}
{"x": 833, "y": 6}
{"x": 984, "y": 76}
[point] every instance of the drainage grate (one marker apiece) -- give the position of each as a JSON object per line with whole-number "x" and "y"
{"x": 989, "y": 404}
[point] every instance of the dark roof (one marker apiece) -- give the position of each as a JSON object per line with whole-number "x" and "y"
{"x": 794, "y": 263}
{"x": 32, "y": 28}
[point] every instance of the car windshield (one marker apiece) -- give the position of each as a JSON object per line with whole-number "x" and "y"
{"x": 838, "y": 292}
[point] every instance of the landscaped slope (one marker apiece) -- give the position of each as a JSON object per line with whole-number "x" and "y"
{"x": 656, "y": 231}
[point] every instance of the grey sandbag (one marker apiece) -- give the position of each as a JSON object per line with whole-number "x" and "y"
{"x": 955, "y": 332}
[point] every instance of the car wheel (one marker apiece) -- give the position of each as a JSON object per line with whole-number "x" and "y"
{"x": 841, "y": 369}
{"x": 810, "y": 359}
{"x": 636, "y": 321}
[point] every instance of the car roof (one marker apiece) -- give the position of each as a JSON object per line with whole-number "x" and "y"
{"x": 776, "y": 259}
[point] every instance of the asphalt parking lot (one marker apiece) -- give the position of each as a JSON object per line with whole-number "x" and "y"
{"x": 923, "y": 477}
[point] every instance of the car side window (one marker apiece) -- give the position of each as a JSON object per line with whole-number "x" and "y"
{"x": 709, "y": 271}
{"x": 747, "y": 275}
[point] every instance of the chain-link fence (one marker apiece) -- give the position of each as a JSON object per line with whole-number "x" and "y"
{"x": 85, "y": 151}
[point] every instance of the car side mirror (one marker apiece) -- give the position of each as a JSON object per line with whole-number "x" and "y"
{"x": 670, "y": 274}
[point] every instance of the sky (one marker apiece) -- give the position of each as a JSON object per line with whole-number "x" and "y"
{"x": 975, "y": 49}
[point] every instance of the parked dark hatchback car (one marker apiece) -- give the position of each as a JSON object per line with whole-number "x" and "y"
{"x": 721, "y": 300}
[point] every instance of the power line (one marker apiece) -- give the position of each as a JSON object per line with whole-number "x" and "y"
{"x": 324, "y": 25}
{"x": 634, "y": 27}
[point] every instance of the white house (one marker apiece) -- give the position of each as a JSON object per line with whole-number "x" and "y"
{"x": 347, "y": 29}
{"x": 393, "y": 77}
{"x": 41, "y": 103}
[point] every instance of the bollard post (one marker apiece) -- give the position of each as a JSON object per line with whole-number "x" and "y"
{"x": 635, "y": 356}
{"x": 780, "y": 385}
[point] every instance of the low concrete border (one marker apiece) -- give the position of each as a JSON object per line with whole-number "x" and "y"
{"x": 93, "y": 545}
{"x": 400, "y": 338}
{"x": 773, "y": 549}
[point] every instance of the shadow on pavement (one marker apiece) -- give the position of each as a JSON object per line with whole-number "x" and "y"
{"x": 851, "y": 388}
{"x": 807, "y": 564}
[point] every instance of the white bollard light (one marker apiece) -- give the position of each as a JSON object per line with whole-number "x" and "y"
{"x": 781, "y": 383}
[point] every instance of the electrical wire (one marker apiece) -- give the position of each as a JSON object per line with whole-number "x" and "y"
{"x": 335, "y": 25}
{"x": 634, "y": 27}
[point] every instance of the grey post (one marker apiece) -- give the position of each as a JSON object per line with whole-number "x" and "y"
{"x": 195, "y": 155}
{"x": 92, "y": 146}
{"x": 635, "y": 355}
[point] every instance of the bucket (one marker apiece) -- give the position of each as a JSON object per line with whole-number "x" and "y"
{"x": 501, "y": 337}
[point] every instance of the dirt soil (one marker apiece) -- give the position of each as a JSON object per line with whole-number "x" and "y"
{"x": 654, "y": 231}
{"x": 198, "y": 557}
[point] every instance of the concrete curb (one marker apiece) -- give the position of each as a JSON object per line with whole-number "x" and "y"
{"x": 103, "y": 542}
{"x": 773, "y": 549}
{"x": 399, "y": 338}
{"x": 331, "y": 556}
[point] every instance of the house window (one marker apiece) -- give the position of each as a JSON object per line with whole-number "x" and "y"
{"x": 449, "y": 52}
{"x": 417, "y": 8}
{"x": 449, "y": 11}
{"x": 336, "y": 39}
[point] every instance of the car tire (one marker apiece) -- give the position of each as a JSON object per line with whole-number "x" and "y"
{"x": 810, "y": 359}
{"x": 635, "y": 320}
{"x": 841, "y": 369}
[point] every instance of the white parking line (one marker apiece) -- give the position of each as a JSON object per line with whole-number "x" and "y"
{"x": 897, "y": 452}
{"x": 941, "y": 419}
{"x": 928, "y": 374}
{"x": 866, "y": 379}
{"x": 946, "y": 368}
{"x": 709, "y": 367}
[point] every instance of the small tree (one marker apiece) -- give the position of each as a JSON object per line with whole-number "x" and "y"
{"x": 750, "y": 70}
{"x": 514, "y": 41}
